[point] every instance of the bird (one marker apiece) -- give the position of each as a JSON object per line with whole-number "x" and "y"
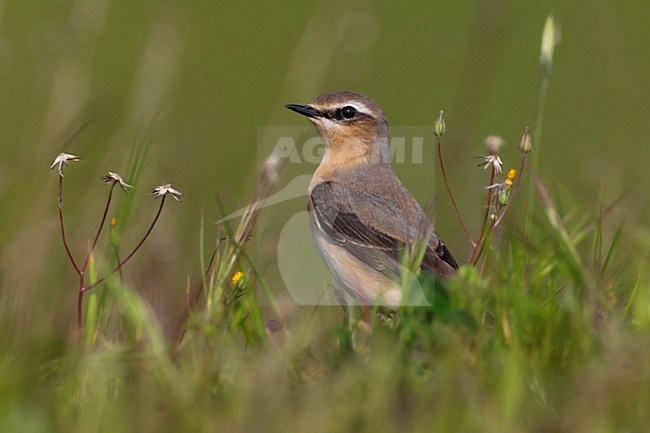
{"x": 361, "y": 216}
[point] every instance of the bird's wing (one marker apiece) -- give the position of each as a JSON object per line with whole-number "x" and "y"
{"x": 376, "y": 228}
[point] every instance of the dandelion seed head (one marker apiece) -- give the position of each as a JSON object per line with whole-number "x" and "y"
{"x": 116, "y": 178}
{"x": 493, "y": 144}
{"x": 164, "y": 189}
{"x": 62, "y": 161}
{"x": 493, "y": 161}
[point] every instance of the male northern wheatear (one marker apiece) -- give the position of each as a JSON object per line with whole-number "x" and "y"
{"x": 361, "y": 216}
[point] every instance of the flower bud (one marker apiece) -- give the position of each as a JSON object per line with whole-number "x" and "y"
{"x": 526, "y": 144}
{"x": 439, "y": 127}
{"x": 503, "y": 197}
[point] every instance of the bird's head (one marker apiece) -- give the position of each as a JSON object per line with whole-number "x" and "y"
{"x": 353, "y": 126}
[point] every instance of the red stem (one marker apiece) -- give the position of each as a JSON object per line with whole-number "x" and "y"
{"x": 496, "y": 222}
{"x": 65, "y": 243}
{"x": 451, "y": 195}
{"x": 485, "y": 219}
{"x": 135, "y": 250}
{"x": 99, "y": 229}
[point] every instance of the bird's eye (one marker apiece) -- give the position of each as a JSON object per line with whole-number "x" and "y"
{"x": 348, "y": 112}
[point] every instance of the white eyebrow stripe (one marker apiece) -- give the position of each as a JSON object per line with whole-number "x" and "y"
{"x": 360, "y": 107}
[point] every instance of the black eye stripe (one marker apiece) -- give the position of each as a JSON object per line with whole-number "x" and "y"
{"x": 339, "y": 114}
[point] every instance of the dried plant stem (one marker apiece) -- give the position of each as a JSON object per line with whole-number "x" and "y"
{"x": 132, "y": 253}
{"x": 451, "y": 195}
{"x": 65, "y": 242}
{"x": 204, "y": 279}
{"x": 225, "y": 258}
{"x": 481, "y": 239}
{"x": 514, "y": 191}
{"x": 191, "y": 305}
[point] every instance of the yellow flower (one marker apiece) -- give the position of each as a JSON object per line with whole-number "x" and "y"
{"x": 237, "y": 277}
{"x": 511, "y": 176}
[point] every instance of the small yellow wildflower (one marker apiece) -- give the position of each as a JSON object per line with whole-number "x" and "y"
{"x": 113, "y": 222}
{"x": 237, "y": 277}
{"x": 511, "y": 176}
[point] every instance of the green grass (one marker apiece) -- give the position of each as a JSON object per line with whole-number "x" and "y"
{"x": 549, "y": 332}
{"x": 552, "y": 335}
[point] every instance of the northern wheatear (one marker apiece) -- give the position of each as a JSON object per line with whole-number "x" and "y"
{"x": 361, "y": 216}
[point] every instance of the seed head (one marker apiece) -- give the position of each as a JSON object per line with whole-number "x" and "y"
{"x": 493, "y": 144}
{"x": 62, "y": 161}
{"x": 491, "y": 160}
{"x": 162, "y": 190}
{"x": 439, "y": 127}
{"x": 526, "y": 144}
{"x": 116, "y": 178}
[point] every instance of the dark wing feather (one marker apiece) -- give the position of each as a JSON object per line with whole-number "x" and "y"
{"x": 336, "y": 216}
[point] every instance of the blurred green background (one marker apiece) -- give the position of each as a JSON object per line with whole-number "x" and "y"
{"x": 91, "y": 77}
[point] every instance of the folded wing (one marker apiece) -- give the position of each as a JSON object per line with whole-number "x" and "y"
{"x": 376, "y": 228}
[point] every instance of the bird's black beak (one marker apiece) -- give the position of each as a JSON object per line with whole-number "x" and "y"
{"x": 305, "y": 110}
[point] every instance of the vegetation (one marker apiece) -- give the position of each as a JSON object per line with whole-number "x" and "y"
{"x": 550, "y": 335}
{"x": 546, "y": 329}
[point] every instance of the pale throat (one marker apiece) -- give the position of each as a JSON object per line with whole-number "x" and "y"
{"x": 347, "y": 155}
{"x": 353, "y": 151}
